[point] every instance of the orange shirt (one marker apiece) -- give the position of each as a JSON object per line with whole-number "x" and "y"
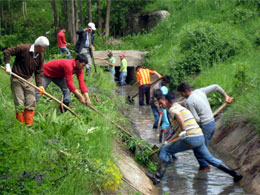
{"x": 143, "y": 76}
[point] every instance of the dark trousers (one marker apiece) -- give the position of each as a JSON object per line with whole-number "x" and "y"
{"x": 144, "y": 90}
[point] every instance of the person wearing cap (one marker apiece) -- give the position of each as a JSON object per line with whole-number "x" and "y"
{"x": 123, "y": 70}
{"x": 143, "y": 77}
{"x": 61, "y": 72}
{"x": 189, "y": 136}
{"x": 28, "y": 61}
{"x": 85, "y": 44}
{"x": 62, "y": 43}
{"x": 111, "y": 62}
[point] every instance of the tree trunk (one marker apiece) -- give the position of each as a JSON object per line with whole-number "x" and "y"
{"x": 76, "y": 22}
{"x": 81, "y": 13}
{"x": 89, "y": 11}
{"x": 99, "y": 16}
{"x": 55, "y": 17}
{"x": 108, "y": 17}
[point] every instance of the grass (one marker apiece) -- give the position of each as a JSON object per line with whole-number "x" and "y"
{"x": 59, "y": 153}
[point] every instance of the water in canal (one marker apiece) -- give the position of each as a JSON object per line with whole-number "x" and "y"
{"x": 182, "y": 176}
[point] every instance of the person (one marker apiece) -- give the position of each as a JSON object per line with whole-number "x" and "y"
{"x": 61, "y": 72}
{"x": 111, "y": 62}
{"x": 123, "y": 70}
{"x": 189, "y": 136}
{"x": 198, "y": 104}
{"x": 28, "y": 61}
{"x": 144, "y": 79}
{"x": 157, "y": 111}
{"x": 85, "y": 44}
{"x": 62, "y": 43}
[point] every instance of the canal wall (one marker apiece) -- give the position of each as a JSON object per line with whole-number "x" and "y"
{"x": 239, "y": 146}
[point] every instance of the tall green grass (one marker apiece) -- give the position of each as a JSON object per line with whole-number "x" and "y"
{"x": 59, "y": 153}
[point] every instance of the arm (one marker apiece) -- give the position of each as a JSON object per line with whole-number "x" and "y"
{"x": 79, "y": 96}
{"x": 83, "y": 87}
{"x": 157, "y": 74}
{"x": 39, "y": 71}
{"x": 88, "y": 102}
{"x": 215, "y": 87}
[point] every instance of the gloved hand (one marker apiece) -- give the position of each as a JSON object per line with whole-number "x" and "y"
{"x": 8, "y": 69}
{"x": 160, "y": 112}
{"x": 182, "y": 135}
{"x": 41, "y": 90}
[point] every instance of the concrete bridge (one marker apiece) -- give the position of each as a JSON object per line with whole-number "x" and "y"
{"x": 133, "y": 57}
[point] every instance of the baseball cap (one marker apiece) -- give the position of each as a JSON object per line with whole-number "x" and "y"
{"x": 92, "y": 25}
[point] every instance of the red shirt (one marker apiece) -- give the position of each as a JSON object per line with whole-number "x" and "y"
{"x": 61, "y": 39}
{"x": 65, "y": 68}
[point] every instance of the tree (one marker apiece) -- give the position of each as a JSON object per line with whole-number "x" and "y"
{"x": 99, "y": 15}
{"x": 108, "y": 17}
{"x": 89, "y": 11}
{"x": 55, "y": 17}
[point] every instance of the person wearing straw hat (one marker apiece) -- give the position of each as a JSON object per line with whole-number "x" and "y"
{"x": 28, "y": 61}
{"x": 85, "y": 44}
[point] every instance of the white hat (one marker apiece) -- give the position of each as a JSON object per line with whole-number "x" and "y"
{"x": 42, "y": 41}
{"x": 92, "y": 26}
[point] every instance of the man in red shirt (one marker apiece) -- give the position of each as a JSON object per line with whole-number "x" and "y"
{"x": 61, "y": 72}
{"x": 62, "y": 43}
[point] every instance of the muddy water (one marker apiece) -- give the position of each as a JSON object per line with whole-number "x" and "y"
{"x": 182, "y": 176}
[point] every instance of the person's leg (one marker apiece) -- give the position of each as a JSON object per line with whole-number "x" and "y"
{"x": 124, "y": 78}
{"x": 67, "y": 52}
{"x": 208, "y": 131}
{"x": 147, "y": 94}
{"x": 61, "y": 50}
{"x": 61, "y": 83}
{"x": 204, "y": 153}
{"x": 141, "y": 95}
{"x": 156, "y": 117}
{"x": 121, "y": 78}
{"x": 45, "y": 82}
{"x": 18, "y": 97}
{"x": 113, "y": 72}
{"x": 30, "y": 102}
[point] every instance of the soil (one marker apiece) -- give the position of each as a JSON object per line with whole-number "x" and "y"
{"x": 239, "y": 146}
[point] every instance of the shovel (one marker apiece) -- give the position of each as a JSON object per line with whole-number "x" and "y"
{"x": 131, "y": 98}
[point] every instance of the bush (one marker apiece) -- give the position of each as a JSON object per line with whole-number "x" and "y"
{"x": 200, "y": 45}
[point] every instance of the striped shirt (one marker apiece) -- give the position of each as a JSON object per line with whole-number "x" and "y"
{"x": 143, "y": 76}
{"x": 191, "y": 126}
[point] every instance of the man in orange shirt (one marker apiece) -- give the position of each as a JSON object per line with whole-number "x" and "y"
{"x": 143, "y": 76}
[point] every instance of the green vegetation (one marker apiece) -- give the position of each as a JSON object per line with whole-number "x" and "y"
{"x": 202, "y": 42}
{"x": 206, "y": 42}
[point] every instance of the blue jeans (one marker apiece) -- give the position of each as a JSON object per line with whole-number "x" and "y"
{"x": 65, "y": 50}
{"x": 156, "y": 116}
{"x": 194, "y": 143}
{"x": 113, "y": 72}
{"x": 122, "y": 78}
{"x": 61, "y": 84}
{"x": 208, "y": 131}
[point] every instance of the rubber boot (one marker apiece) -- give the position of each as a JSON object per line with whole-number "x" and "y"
{"x": 230, "y": 171}
{"x": 28, "y": 117}
{"x": 161, "y": 169}
{"x": 19, "y": 116}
